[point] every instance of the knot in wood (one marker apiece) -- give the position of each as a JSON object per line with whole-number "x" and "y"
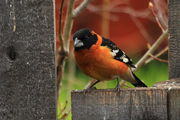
{"x": 11, "y": 53}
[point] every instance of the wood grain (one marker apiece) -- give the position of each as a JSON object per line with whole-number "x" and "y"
{"x": 27, "y": 70}
{"x": 174, "y": 41}
{"x": 126, "y": 104}
{"x": 174, "y": 103}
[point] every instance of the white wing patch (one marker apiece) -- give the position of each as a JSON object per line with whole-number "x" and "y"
{"x": 117, "y": 53}
{"x": 114, "y": 52}
{"x": 123, "y": 57}
{"x": 125, "y": 60}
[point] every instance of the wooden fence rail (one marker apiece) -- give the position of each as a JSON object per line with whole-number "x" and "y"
{"x": 157, "y": 103}
{"x": 127, "y": 104}
{"x": 27, "y": 67}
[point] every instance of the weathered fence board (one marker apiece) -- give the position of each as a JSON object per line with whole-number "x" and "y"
{"x": 126, "y": 104}
{"x": 27, "y": 70}
{"x": 174, "y": 42}
{"x": 174, "y": 104}
{"x": 159, "y": 103}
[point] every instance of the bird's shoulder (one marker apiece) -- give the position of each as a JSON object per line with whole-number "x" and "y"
{"x": 116, "y": 52}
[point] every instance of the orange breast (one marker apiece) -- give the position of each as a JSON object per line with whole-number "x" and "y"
{"x": 99, "y": 64}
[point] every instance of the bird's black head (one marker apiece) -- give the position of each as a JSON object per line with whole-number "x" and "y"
{"x": 84, "y": 39}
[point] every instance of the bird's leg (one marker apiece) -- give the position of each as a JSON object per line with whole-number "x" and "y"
{"x": 91, "y": 84}
{"x": 117, "y": 85}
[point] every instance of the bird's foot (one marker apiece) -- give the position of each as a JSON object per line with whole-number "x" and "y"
{"x": 118, "y": 87}
{"x": 89, "y": 89}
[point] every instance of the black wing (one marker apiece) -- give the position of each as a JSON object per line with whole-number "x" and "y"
{"x": 117, "y": 53}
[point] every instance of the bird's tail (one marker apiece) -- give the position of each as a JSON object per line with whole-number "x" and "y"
{"x": 138, "y": 83}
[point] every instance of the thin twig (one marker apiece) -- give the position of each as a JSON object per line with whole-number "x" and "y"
{"x": 148, "y": 45}
{"x": 60, "y": 26}
{"x": 163, "y": 36}
{"x": 63, "y": 51}
{"x": 65, "y": 106}
{"x": 160, "y": 11}
{"x": 59, "y": 49}
{"x": 68, "y": 25}
{"x": 151, "y": 6}
{"x": 65, "y": 115}
{"x": 159, "y": 59}
{"x": 80, "y": 8}
{"x": 105, "y": 19}
{"x": 157, "y": 55}
{"x": 127, "y": 10}
{"x": 64, "y": 38}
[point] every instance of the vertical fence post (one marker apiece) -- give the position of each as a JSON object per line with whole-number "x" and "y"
{"x": 27, "y": 67}
{"x": 174, "y": 59}
{"x": 174, "y": 41}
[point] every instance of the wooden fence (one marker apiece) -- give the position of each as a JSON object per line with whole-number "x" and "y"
{"x": 27, "y": 72}
{"x": 27, "y": 67}
{"x": 156, "y": 103}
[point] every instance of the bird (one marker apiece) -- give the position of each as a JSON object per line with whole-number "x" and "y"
{"x": 101, "y": 59}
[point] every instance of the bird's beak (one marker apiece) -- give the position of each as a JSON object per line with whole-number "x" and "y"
{"x": 78, "y": 43}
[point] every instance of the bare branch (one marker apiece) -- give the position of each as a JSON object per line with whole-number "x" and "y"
{"x": 156, "y": 17}
{"x": 159, "y": 59}
{"x": 68, "y": 25}
{"x": 61, "y": 56}
{"x": 159, "y": 9}
{"x": 65, "y": 107}
{"x": 127, "y": 10}
{"x": 163, "y": 36}
{"x": 80, "y": 8}
{"x": 60, "y": 25}
{"x": 60, "y": 52}
{"x": 63, "y": 51}
{"x": 157, "y": 55}
{"x": 105, "y": 18}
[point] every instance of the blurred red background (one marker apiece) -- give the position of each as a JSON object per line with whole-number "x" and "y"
{"x": 130, "y": 24}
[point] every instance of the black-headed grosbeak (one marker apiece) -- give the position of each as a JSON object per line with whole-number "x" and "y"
{"x": 101, "y": 59}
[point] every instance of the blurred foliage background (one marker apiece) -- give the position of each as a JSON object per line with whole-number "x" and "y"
{"x": 132, "y": 25}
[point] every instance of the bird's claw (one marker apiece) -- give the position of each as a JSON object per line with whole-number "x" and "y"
{"x": 118, "y": 87}
{"x": 89, "y": 89}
